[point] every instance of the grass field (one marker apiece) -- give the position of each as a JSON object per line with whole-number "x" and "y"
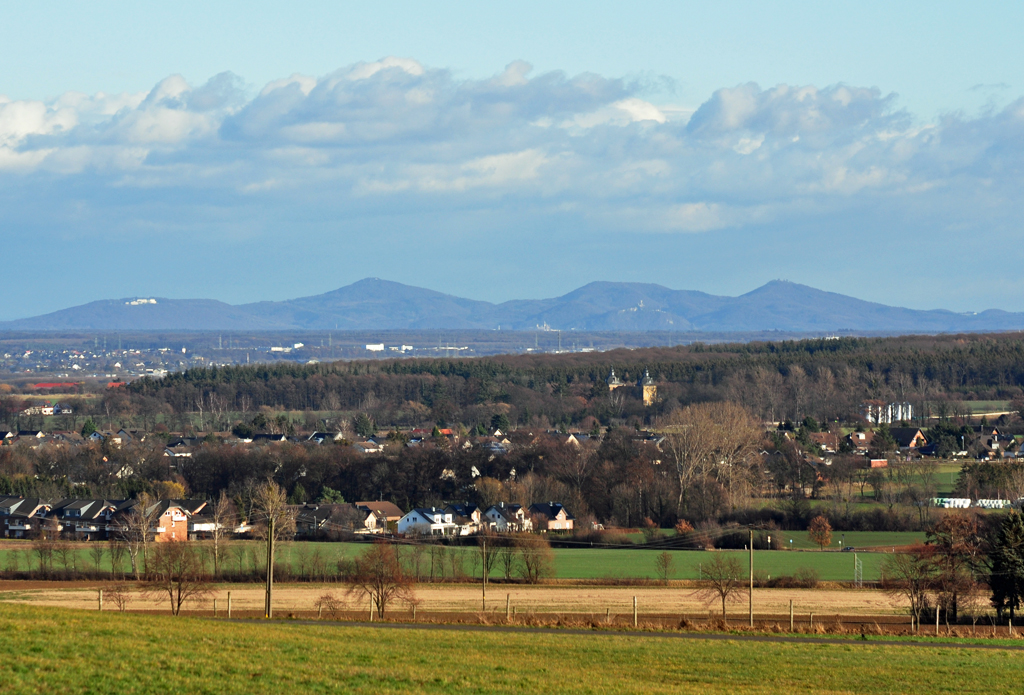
{"x": 601, "y": 563}
{"x": 570, "y": 563}
{"x": 132, "y": 653}
{"x": 978, "y": 407}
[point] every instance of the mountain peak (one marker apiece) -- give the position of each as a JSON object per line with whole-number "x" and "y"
{"x": 374, "y": 303}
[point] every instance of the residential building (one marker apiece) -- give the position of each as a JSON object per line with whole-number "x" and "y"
{"x": 428, "y": 521}
{"x": 507, "y": 518}
{"x": 172, "y": 518}
{"x": 908, "y": 437}
{"x": 554, "y": 516}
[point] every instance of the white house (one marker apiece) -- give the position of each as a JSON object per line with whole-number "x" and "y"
{"x": 468, "y": 517}
{"x": 428, "y": 521}
{"x": 508, "y": 518}
{"x": 368, "y": 447}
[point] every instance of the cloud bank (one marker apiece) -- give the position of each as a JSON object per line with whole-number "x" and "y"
{"x": 394, "y": 137}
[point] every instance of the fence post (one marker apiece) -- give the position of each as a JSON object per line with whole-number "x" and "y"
{"x": 812, "y": 621}
{"x": 790, "y": 615}
{"x": 936, "y": 620}
{"x": 101, "y": 599}
{"x": 229, "y": 605}
{"x": 508, "y": 606}
{"x": 214, "y": 608}
{"x": 634, "y": 612}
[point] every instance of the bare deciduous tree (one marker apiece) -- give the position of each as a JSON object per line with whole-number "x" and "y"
{"x": 222, "y": 515}
{"x": 713, "y": 442}
{"x": 274, "y": 521}
{"x": 664, "y": 564}
{"x": 909, "y": 576}
{"x": 328, "y": 603}
{"x": 535, "y": 557}
{"x": 120, "y": 594}
{"x": 176, "y": 570}
{"x": 722, "y": 580}
{"x": 66, "y": 553}
{"x": 96, "y": 550}
{"x": 379, "y": 575}
{"x": 136, "y": 529}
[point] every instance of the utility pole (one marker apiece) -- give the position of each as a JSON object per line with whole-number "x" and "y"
{"x": 270, "y": 565}
{"x": 751, "y": 595}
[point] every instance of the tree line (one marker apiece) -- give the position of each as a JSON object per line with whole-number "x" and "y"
{"x": 824, "y": 379}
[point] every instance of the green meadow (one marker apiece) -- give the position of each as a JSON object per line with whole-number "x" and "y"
{"x": 55, "y": 650}
{"x": 569, "y": 563}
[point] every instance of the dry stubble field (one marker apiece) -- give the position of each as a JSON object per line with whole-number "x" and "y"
{"x": 451, "y": 599}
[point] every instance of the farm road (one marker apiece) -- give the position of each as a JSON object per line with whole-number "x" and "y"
{"x": 648, "y": 635}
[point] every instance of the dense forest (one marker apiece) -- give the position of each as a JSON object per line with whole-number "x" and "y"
{"x": 716, "y": 460}
{"x": 827, "y": 379}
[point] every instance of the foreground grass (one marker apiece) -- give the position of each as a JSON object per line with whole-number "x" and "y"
{"x": 129, "y": 653}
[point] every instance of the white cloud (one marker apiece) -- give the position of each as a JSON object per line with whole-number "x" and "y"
{"x": 304, "y": 83}
{"x": 393, "y": 135}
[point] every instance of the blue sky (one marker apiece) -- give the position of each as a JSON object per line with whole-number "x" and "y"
{"x": 247, "y": 151}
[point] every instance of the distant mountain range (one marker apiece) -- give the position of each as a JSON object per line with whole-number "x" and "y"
{"x": 374, "y": 304}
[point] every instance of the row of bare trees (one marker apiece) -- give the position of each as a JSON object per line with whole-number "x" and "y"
{"x": 958, "y": 572}
{"x": 715, "y": 450}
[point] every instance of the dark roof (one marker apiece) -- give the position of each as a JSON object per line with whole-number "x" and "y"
{"x": 465, "y": 510}
{"x": 190, "y": 507}
{"x": 550, "y": 509}
{"x": 613, "y": 380}
{"x": 904, "y": 436}
{"x": 21, "y": 507}
{"x": 508, "y": 511}
{"x": 324, "y": 435}
{"x": 646, "y": 379}
{"x": 430, "y": 513}
{"x": 390, "y": 510}
{"x": 315, "y": 515}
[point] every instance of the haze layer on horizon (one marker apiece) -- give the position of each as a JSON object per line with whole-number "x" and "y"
{"x": 244, "y": 153}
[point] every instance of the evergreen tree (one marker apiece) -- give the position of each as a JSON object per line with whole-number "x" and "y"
{"x": 499, "y": 421}
{"x": 363, "y": 425}
{"x": 1007, "y": 579}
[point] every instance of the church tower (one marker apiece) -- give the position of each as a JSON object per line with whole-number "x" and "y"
{"x": 648, "y": 388}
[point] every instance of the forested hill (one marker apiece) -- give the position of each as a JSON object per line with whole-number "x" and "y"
{"x": 826, "y": 379}
{"x": 374, "y": 304}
